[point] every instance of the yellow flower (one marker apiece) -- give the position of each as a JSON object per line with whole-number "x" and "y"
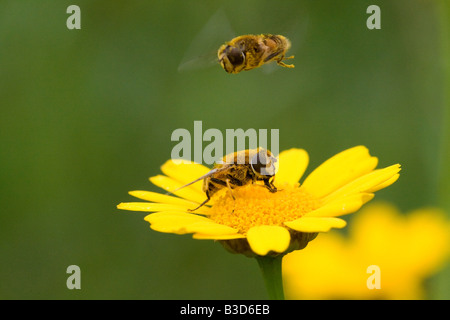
{"x": 406, "y": 248}
{"x": 258, "y": 222}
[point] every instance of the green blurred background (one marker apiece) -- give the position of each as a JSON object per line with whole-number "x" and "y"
{"x": 87, "y": 115}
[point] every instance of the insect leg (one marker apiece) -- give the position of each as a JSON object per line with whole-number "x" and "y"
{"x": 231, "y": 192}
{"x": 201, "y": 204}
{"x": 281, "y": 63}
{"x": 229, "y": 188}
{"x": 270, "y": 186}
{"x": 228, "y": 184}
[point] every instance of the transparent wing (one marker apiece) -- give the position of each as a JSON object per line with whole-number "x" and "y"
{"x": 202, "y": 52}
{"x": 208, "y": 174}
{"x": 200, "y": 62}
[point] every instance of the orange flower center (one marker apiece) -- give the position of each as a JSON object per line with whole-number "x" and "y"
{"x": 254, "y": 205}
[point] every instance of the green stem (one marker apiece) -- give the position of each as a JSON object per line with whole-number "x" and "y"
{"x": 271, "y": 271}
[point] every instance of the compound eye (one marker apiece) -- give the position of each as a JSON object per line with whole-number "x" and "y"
{"x": 262, "y": 164}
{"x": 235, "y": 56}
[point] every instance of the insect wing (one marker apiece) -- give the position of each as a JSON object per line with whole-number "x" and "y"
{"x": 202, "y": 52}
{"x": 209, "y": 174}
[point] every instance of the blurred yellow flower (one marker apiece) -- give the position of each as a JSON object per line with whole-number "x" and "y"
{"x": 258, "y": 222}
{"x": 406, "y": 248}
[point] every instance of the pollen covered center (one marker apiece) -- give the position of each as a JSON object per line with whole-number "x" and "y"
{"x": 254, "y": 205}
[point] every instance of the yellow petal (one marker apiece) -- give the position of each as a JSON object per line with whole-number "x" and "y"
{"x": 210, "y": 228}
{"x": 385, "y": 184}
{"x": 181, "y": 223}
{"x": 263, "y": 239}
{"x": 166, "y": 199}
{"x": 185, "y": 172}
{"x": 175, "y": 216}
{"x": 291, "y": 164}
{"x": 171, "y": 185}
{"x": 173, "y": 222}
{"x": 149, "y": 206}
{"x": 367, "y": 183}
{"x": 430, "y": 235}
{"x": 200, "y": 236}
{"x": 341, "y": 206}
{"x": 161, "y": 198}
{"x": 315, "y": 224}
{"x": 339, "y": 170}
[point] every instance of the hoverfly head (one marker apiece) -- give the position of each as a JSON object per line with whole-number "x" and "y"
{"x": 231, "y": 58}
